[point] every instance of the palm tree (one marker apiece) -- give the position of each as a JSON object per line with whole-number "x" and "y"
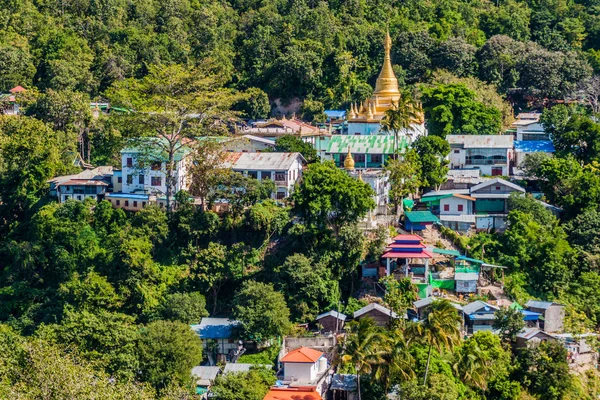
{"x": 473, "y": 365}
{"x": 440, "y": 329}
{"x": 397, "y": 361}
{"x": 364, "y": 348}
{"x": 403, "y": 113}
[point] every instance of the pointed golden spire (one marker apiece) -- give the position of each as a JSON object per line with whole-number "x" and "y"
{"x": 387, "y": 83}
{"x": 349, "y": 161}
{"x": 370, "y": 111}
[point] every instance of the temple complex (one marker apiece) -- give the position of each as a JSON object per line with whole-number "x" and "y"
{"x": 365, "y": 118}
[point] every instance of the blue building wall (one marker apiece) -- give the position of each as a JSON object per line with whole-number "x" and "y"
{"x": 364, "y": 128}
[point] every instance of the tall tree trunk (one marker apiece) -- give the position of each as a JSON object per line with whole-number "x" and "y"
{"x": 358, "y": 384}
{"x": 215, "y": 292}
{"x": 170, "y": 178}
{"x": 427, "y": 367}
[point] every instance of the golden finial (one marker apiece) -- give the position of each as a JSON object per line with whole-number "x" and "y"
{"x": 370, "y": 112}
{"x": 387, "y": 83}
{"x": 349, "y": 161}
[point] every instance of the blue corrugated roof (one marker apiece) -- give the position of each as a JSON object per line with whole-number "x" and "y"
{"x": 215, "y": 328}
{"x": 530, "y": 315}
{"x": 534, "y": 146}
{"x": 473, "y": 260}
{"x": 335, "y": 113}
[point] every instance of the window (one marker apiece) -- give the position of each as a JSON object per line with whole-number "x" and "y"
{"x": 118, "y": 202}
{"x": 497, "y": 171}
{"x": 253, "y": 174}
{"x": 120, "y": 179}
{"x": 129, "y": 162}
{"x": 446, "y": 207}
{"x": 280, "y": 195}
{"x": 156, "y": 181}
{"x": 78, "y": 197}
{"x": 156, "y": 166}
{"x": 135, "y": 203}
{"x": 143, "y": 204}
{"x": 456, "y": 151}
{"x": 129, "y": 179}
{"x": 141, "y": 179}
{"x": 356, "y": 133}
{"x": 126, "y": 203}
{"x": 66, "y": 198}
{"x": 497, "y": 187}
{"x": 376, "y": 158}
{"x": 460, "y": 207}
{"x": 265, "y": 175}
{"x": 359, "y": 158}
{"x": 280, "y": 176}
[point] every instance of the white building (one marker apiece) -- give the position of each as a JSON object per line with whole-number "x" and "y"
{"x": 284, "y": 169}
{"x": 528, "y": 127}
{"x": 492, "y": 154}
{"x": 303, "y": 365}
{"x": 92, "y": 183}
{"x": 378, "y": 180}
{"x": 144, "y": 170}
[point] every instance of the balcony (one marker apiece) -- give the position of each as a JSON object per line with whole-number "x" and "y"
{"x": 486, "y": 161}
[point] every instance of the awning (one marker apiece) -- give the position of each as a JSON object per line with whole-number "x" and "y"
{"x": 408, "y": 204}
{"x": 473, "y": 260}
{"x": 398, "y": 254}
{"x": 446, "y": 252}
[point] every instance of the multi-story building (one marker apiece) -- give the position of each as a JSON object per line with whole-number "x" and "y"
{"x": 284, "y": 169}
{"x": 492, "y": 154}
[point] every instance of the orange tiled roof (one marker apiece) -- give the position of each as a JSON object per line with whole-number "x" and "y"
{"x": 302, "y": 355}
{"x": 17, "y": 89}
{"x": 292, "y": 394}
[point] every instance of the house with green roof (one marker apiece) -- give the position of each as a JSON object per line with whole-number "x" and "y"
{"x": 368, "y": 151}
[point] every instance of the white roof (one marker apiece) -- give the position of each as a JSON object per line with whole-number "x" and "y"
{"x": 445, "y": 192}
{"x": 464, "y": 173}
{"x": 262, "y": 161}
{"x": 205, "y": 375}
{"x": 482, "y": 141}
{"x": 332, "y": 313}
{"x": 428, "y": 300}
{"x": 494, "y": 182}
{"x": 260, "y": 139}
{"x": 242, "y": 367}
{"x": 89, "y": 174}
{"x": 478, "y": 305}
{"x": 375, "y": 306}
{"x": 458, "y": 218}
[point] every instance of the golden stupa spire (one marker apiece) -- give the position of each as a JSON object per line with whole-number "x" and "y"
{"x": 349, "y": 161}
{"x": 387, "y": 84}
{"x": 370, "y": 111}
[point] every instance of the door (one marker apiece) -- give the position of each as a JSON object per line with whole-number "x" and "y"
{"x": 496, "y": 171}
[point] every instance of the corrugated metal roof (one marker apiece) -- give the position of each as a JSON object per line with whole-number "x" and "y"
{"x": 344, "y": 382}
{"x": 332, "y": 313}
{"x": 464, "y": 173}
{"x": 262, "y": 161}
{"x": 375, "y": 306}
{"x": 544, "y": 305}
{"x": 421, "y": 216}
{"x": 534, "y": 146}
{"x": 203, "y": 373}
{"x": 364, "y": 144}
{"x": 476, "y": 306}
{"x": 482, "y": 141}
{"x": 466, "y": 276}
{"x": 215, "y": 328}
{"x": 458, "y": 218}
{"x": 335, "y": 113}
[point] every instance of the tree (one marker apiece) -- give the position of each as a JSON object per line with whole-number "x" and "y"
{"x": 363, "y": 347}
{"x": 452, "y": 109}
{"x": 212, "y": 268}
{"x": 30, "y": 156}
{"x": 206, "y": 168}
{"x": 251, "y": 385}
{"x": 399, "y": 294}
{"x": 439, "y": 329}
{"x": 508, "y": 18}
{"x": 590, "y": 89}
{"x": 240, "y": 191}
{"x": 397, "y": 361}
{"x": 401, "y": 117}
{"x": 432, "y": 152}
{"x": 261, "y": 310}
{"x": 404, "y": 176}
{"x": 16, "y": 62}
{"x": 509, "y": 323}
{"x": 328, "y": 196}
{"x": 293, "y": 144}
{"x": 255, "y": 104}
{"x": 498, "y": 60}
{"x": 579, "y": 137}
{"x": 308, "y": 286}
{"x": 544, "y": 370}
{"x": 168, "y": 351}
{"x": 172, "y": 105}
{"x": 188, "y": 308}
{"x": 313, "y": 111}
{"x": 456, "y": 56}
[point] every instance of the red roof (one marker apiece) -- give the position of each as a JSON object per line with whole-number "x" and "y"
{"x": 17, "y": 89}
{"x": 302, "y": 355}
{"x": 292, "y": 394}
{"x": 407, "y": 238}
{"x": 399, "y": 254}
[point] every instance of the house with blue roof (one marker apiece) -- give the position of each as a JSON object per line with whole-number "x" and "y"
{"x": 479, "y": 316}
{"x": 218, "y": 337}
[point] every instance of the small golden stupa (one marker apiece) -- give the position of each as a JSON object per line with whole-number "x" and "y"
{"x": 349, "y": 161}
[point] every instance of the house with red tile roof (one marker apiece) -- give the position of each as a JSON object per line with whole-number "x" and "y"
{"x": 296, "y": 393}
{"x": 303, "y": 365}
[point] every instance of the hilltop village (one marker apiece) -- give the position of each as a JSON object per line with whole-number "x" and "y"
{"x": 424, "y": 223}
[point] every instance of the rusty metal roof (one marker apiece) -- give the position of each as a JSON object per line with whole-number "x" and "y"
{"x": 482, "y": 141}
{"x": 262, "y": 161}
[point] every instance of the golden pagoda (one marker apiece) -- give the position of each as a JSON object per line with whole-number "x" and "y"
{"x": 386, "y": 92}
{"x": 349, "y": 161}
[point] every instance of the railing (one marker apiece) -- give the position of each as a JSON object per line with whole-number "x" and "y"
{"x": 485, "y": 161}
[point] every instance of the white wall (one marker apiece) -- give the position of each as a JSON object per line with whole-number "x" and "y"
{"x": 453, "y": 203}
{"x": 135, "y": 172}
{"x": 293, "y": 175}
{"x": 302, "y": 372}
{"x": 458, "y": 158}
